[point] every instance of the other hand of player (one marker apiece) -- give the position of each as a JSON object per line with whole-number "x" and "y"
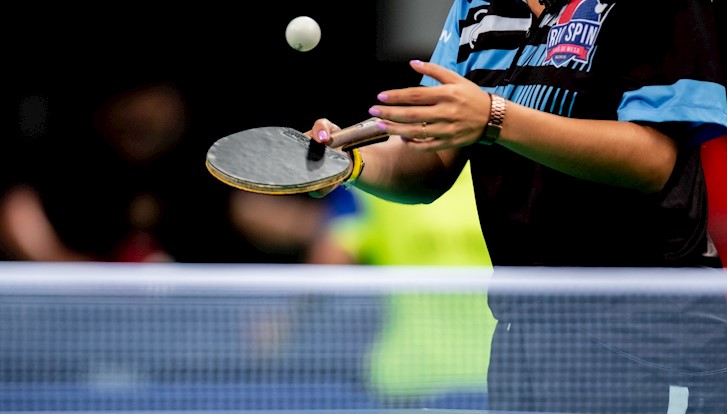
{"x": 453, "y": 114}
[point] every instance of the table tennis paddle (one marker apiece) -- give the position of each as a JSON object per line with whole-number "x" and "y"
{"x": 282, "y": 160}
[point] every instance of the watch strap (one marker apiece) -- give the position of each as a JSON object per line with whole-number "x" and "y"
{"x": 498, "y": 110}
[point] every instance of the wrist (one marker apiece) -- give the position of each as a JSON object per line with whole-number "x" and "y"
{"x": 498, "y": 110}
{"x": 356, "y": 169}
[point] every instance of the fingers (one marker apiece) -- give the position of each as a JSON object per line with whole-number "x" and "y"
{"x": 415, "y": 105}
{"x": 422, "y": 95}
{"x": 430, "y": 118}
{"x": 434, "y": 117}
{"x": 322, "y": 130}
{"x": 416, "y": 132}
{"x": 439, "y": 73}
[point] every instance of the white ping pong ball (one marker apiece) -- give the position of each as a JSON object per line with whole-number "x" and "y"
{"x": 303, "y": 33}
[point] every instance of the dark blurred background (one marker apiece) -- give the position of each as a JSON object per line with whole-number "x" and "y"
{"x": 232, "y": 60}
{"x": 109, "y": 111}
{"x": 89, "y": 173}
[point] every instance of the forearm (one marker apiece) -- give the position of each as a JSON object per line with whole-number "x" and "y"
{"x": 616, "y": 153}
{"x": 398, "y": 173}
{"x": 610, "y": 152}
{"x": 25, "y": 226}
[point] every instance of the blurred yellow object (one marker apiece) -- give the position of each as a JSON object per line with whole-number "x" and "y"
{"x": 431, "y": 343}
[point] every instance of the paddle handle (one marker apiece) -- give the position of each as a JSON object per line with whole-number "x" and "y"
{"x": 358, "y": 135}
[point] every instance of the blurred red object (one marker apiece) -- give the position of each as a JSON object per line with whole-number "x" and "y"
{"x": 714, "y": 160}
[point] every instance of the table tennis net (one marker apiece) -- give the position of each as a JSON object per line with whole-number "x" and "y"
{"x": 175, "y": 337}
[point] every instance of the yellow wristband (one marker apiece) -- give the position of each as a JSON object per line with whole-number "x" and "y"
{"x": 358, "y": 166}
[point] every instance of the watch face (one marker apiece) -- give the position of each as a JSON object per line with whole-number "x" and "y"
{"x": 491, "y": 134}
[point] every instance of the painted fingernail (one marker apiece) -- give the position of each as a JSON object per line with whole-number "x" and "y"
{"x": 382, "y": 97}
{"x": 323, "y": 135}
{"x": 374, "y": 111}
{"x": 417, "y": 62}
{"x": 382, "y": 126}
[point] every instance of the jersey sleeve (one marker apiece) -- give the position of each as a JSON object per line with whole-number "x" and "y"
{"x": 673, "y": 67}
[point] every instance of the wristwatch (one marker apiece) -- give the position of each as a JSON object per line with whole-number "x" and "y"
{"x": 498, "y": 108}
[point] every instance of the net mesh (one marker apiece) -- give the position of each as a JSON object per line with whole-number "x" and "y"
{"x": 161, "y": 337}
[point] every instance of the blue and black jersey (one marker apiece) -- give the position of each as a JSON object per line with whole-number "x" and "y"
{"x": 630, "y": 60}
{"x": 590, "y": 59}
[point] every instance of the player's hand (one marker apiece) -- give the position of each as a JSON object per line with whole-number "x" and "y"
{"x": 453, "y": 114}
{"x": 321, "y": 132}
